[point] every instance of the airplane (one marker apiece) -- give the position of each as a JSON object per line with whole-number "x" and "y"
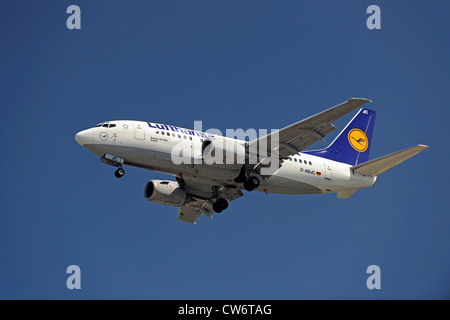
{"x": 202, "y": 187}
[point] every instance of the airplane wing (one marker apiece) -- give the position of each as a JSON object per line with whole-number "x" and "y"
{"x": 292, "y": 139}
{"x": 297, "y": 136}
{"x": 201, "y": 199}
{"x": 190, "y": 212}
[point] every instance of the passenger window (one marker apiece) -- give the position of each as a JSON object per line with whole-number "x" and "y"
{"x": 168, "y": 133}
{"x": 179, "y": 136}
{"x": 295, "y": 159}
{"x": 184, "y": 137}
{"x": 157, "y": 132}
{"x": 173, "y": 134}
{"x": 310, "y": 163}
{"x": 190, "y": 138}
{"x": 299, "y": 160}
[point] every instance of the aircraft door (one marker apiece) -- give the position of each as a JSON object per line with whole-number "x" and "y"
{"x": 328, "y": 170}
{"x": 139, "y": 130}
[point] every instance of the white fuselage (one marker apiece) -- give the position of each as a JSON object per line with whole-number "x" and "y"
{"x": 150, "y": 145}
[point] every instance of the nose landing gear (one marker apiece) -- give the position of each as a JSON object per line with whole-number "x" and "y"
{"x": 114, "y": 161}
{"x": 119, "y": 173}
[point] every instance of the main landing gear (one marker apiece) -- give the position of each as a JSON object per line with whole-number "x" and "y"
{"x": 250, "y": 182}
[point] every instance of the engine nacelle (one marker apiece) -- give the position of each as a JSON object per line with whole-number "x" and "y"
{"x": 221, "y": 150}
{"x": 165, "y": 192}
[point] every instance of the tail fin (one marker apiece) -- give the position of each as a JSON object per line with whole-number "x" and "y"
{"x": 352, "y": 145}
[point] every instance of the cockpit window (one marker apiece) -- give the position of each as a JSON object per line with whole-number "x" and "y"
{"x": 105, "y": 125}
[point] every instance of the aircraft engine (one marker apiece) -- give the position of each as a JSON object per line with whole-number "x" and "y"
{"x": 165, "y": 192}
{"x": 220, "y": 150}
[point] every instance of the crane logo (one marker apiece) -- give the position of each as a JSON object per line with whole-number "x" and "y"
{"x": 358, "y": 140}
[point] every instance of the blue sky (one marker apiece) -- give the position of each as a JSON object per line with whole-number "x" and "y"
{"x": 231, "y": 64}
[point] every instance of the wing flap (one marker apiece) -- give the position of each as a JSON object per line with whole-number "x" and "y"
{"x": 191, "y": 211}
{"x": 188, "y": 214}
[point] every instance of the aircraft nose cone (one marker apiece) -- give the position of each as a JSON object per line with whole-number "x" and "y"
{"x": 83, "y": 137}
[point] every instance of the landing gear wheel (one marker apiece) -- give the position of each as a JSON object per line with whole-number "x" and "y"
{"x": 220, "y": 205}
{"x": 119, "y": 173}
{"x": 254, "y": 182}
{"x": 248, "y": 186}
{"x": 251, "y": 183}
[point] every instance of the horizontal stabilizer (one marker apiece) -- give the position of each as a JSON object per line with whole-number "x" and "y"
{"x": 346, "y": 193}
{"x": 377, "y": 166}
